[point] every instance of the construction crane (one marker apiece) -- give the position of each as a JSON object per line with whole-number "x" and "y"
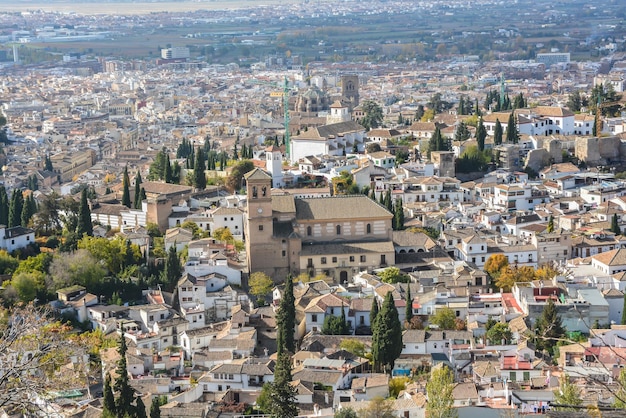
{"x": 285, "y": 95}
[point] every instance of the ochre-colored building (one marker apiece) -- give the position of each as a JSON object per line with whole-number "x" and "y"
{"x": 337, "y": 236}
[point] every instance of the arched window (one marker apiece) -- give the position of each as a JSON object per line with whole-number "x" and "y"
{"x": 308, "y": 231}
{"x": 338, "y": 229}
{"x": 369, "y": 228}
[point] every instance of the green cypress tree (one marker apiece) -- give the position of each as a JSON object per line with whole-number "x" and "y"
{"x": 398, "y": 217}
{"x": 615, "y": 225}
{"x": 140, "y": 408}
{"x": 167, "y": 176}
{"x": 388, "y": 201}
{"x": 481, "y": 135}
{"x": 155, "y": 408}
{"x": 285, "y": 320}
{"x": 199, "y": 176}
{"x": 173, "y": 269}
{"x": 26, "y": 212}
{"x": 137, "y": 200}
{"x": 512, "y": 137}
{"x": 126, "y": 185}
{"x": 373, "y": 313}
{"x": 373, "y": 194}
{"x": 387, "y": 336}
{"x": 282, "y": 393}
{"x": 497, "y": 133}
{"x": 108, "y": 402}
{"x": 4, "y": 207}
{"x": 84, "y": 225}
{"x": 126, "y": 393}
{"x": 15, "y": 209}
{"x": 409, "y": 305}
{"x": 549, "y": 327}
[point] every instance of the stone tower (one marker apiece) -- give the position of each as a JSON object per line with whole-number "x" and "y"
{"x": 350, "y": 90}
{"x": 274, "y": 164}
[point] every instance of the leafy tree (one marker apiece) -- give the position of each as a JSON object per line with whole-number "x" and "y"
{"x": 138, "y": 197}
{"x": 233, "y": 182}
{"x": 481, "y": 135}
{"x": 388, "y": 202}
{"x": 568, "y": 394}
{"x": 512, "y": 136}
{"x": 393, "y": 275}
{"x": 353, "y": 346}
{"x": 285, "y": 320}
{"x": 336, "y": 325}
{"x": 373, "y": 117}
{"x": 497, "y": 133}
{"x": 173, "y": 269}
{"x": 282, "y": 394}
{"x": 437, "y": 142}
{"x": 397, "y": 385}
{"x": 387, "y": 336}
{"x": 490, "y": 323}
{"x": 461, "y": 133}
{"x": 260, "y": 285}
{"x": 79, "y": 267}
{"x": 437, "y": 104}
{"x": 548, "y": 328}
{"x": 126, "y": 185}
{"x": 620, "y": 396}
{"x": 84, "y": 225}
{"x": 550, "y": 224}
{"x": 378, "y": 408}
{"x": 419, "y": 113}
{"x": 33, "y": 346}
{"x": 444, "y": 318}
{"x": 114, "y": 254}
{"x": 511, "y": 275}
{"x": 8, "y": 264}
{"x": 346, "y": 413}
{"x": 499, "y": 332}
{"x": 615, "y": 225}
{"x": 495, "y": 265}
{"x": 27, "y": 286}
{"x": 439, "y": 392}
{"x": 575, "y": 101}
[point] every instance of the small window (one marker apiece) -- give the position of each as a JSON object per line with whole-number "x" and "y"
{"x": 323, "y": 260}
{"x": 362, "y": 259}
{"x": 284, "y": 253}
{"x": 334, "y": 259}
{"x": 352, "y": 259}
{"x": 369, "y": 228}
{"x": 338, "y": 228}
{"x": 314, "y": 318}
{"x": 260, "y": 227}
{"x": 308, "y": 231}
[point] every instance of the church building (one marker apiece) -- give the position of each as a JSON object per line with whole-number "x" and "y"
{"x": 337, "y": 236}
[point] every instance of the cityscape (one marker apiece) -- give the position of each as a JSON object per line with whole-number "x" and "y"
{"x": 313, "y": 209}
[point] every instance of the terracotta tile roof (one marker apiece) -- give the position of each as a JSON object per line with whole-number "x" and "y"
{"x": 615, "y": 257}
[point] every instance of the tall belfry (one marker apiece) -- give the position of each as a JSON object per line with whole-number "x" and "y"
{"x": 350, "y": 91}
